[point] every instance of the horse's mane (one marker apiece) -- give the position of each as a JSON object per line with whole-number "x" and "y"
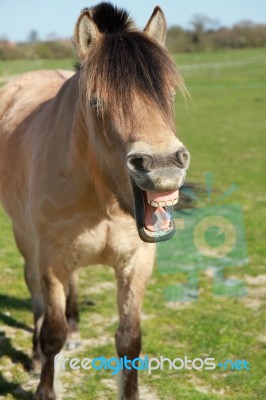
{"x": 125, "y": 62}
{"x": 111, "y": 19}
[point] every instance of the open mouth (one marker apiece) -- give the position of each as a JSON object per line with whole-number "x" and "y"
{"x": 154, "y": 214}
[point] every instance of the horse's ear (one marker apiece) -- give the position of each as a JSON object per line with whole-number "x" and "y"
{"x": 86, "y": 32}
{"x": 156, "y": 26}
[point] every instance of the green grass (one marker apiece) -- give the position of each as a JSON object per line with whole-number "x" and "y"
{"x": 15, "y": 67}
{"x": 218, "y": 56}
{"x": 224, "y": 128}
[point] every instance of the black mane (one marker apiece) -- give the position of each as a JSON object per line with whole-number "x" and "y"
{"x": 110, "y": 19}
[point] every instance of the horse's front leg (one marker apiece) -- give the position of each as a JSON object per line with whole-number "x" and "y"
{"x": 132, "y": 280}
{"x": 54, "y": 328}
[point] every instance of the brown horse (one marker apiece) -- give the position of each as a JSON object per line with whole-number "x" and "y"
{"x": 89, "y": 164}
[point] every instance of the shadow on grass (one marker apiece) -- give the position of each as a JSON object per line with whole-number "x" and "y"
{"x": 17, "y": 304}
{"x": 9, "y": 352}
{"x": 16, "y": 356}
{"x": 7, "y": 320}
{"x": 17, "y": 391}
{"x": 14, "y": 302}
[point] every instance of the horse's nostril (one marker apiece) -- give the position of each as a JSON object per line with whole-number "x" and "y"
{"x": 182, "y": 157}
{"x": 139, "y": 162}
{"x": 136, "y": 162}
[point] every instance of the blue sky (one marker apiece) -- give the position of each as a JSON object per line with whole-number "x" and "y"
{"x": 18, "y": 17}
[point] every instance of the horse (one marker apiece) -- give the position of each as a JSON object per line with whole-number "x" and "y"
{"x": 90, "y": 166}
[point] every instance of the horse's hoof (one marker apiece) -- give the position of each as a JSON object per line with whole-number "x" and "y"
{"x": 73, "y": 344}
{"x": 73, "y": 341}
{"x": 44, "y": 394}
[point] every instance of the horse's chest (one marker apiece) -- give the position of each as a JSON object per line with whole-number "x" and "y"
{"x": 104, "y": 243}
{"x": 88, "y": 247}
{"x": 86, "y": 238}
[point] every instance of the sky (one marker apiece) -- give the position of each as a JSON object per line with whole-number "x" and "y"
{"x": 57, "y": 17}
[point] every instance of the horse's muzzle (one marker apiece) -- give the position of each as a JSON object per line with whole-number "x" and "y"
{"x": 156, "y": 180}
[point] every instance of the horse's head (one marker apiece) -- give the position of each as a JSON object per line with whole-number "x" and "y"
{"x": 128, "y": 84}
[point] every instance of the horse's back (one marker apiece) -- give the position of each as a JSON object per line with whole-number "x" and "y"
{"x": 26, "y": 92}
{"x": 21, "y": 100}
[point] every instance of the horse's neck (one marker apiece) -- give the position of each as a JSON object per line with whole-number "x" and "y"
{"x": 83, "y": 161}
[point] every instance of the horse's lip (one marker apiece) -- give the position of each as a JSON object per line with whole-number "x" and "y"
{"x": 139, "y": 206}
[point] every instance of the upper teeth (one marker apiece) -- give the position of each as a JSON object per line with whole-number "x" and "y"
{"x": 162, "y": 203}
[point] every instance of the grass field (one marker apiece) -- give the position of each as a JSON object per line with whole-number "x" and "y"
{"x": 224, "y": 128}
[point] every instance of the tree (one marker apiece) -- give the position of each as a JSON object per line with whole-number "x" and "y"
{"x": 33, "y": 36}
{"x": 202, "y": 25}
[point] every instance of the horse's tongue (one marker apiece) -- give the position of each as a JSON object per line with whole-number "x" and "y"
{"x": 159, "y": 218}
{"x": 156, "y": 219}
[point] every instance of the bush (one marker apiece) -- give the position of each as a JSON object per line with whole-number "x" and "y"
{"x": 49, "y": 49}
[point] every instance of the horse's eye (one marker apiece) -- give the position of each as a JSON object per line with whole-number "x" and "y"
{"x": 95, "y": 102}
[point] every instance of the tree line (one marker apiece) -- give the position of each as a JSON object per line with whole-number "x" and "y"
{"x": 205, "y": 34}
